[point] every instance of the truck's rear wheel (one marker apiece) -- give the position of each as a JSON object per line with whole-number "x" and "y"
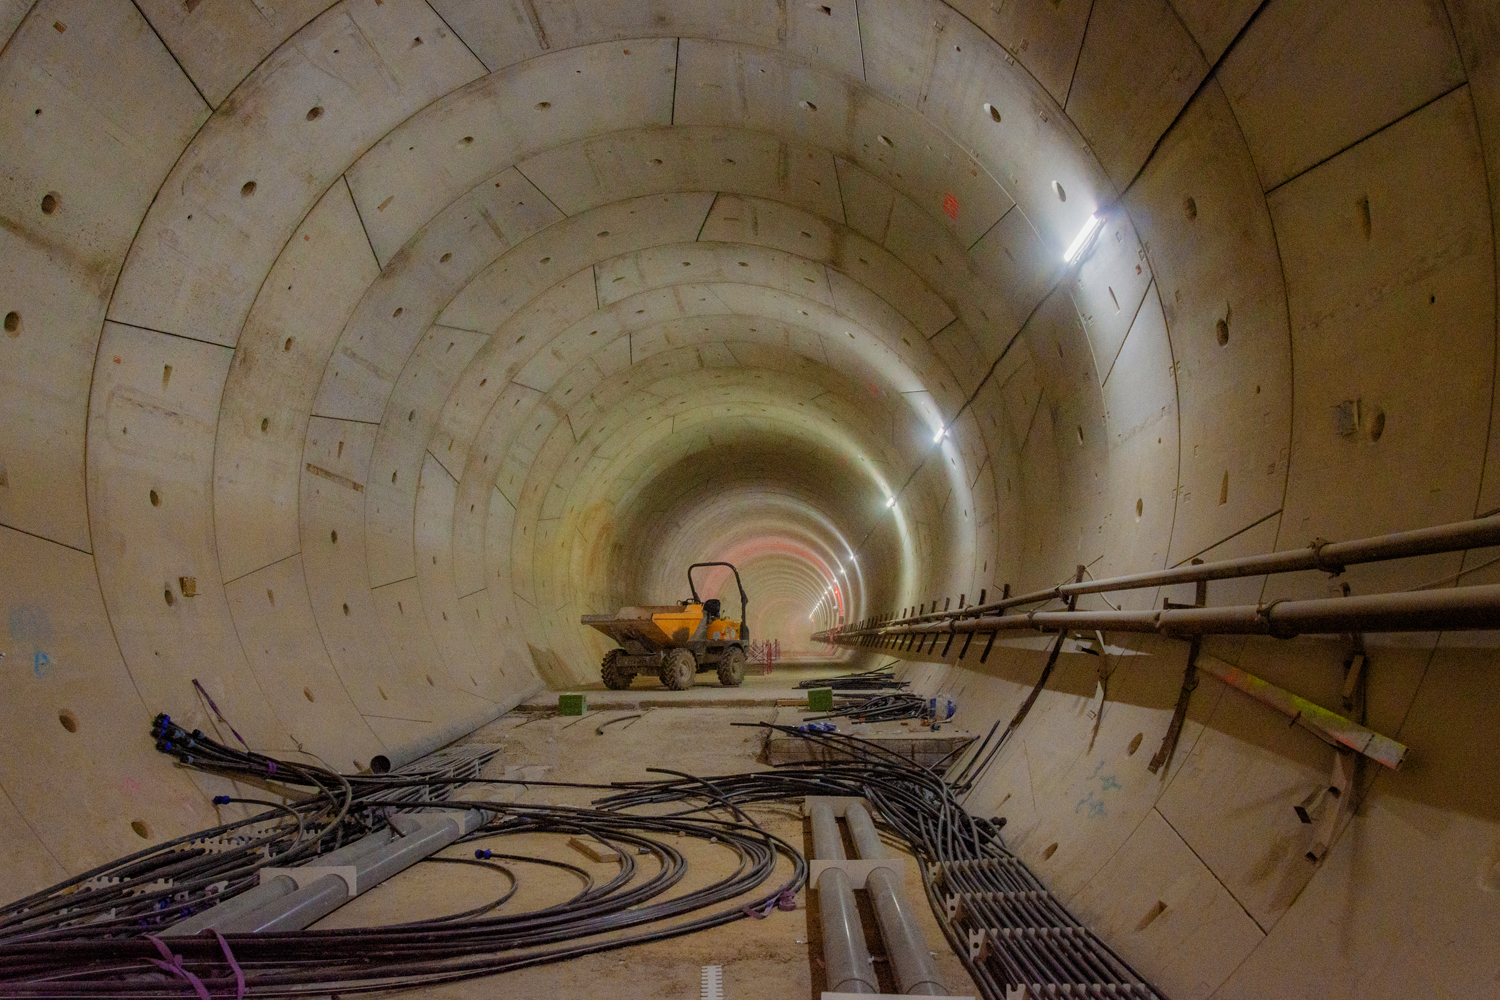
{"x": 678, "y": 669}
{"x": 616, "y": 677}
{"x": 732, "y": 667}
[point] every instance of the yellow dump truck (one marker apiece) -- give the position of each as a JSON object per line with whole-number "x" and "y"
{"x": 675, "y": 641}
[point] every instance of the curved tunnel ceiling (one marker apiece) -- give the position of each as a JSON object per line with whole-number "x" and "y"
{"x": 353, "y": 351}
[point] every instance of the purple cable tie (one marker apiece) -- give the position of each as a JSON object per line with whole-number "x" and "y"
{"x": 239, "y": 974}
{"x": 786, "y": 901}
{"x": 174, "y": 966}
{"x": 270, "y": 767}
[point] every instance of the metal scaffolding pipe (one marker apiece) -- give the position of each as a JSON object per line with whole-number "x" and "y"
{"x": 1332, "y": 557}
{"x": 846, "y": 957}
{"x": 911, "y": 960}
{"x": 1458, "y": 609}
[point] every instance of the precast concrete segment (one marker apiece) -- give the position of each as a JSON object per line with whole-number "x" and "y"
{"x": 1371, "y": 266}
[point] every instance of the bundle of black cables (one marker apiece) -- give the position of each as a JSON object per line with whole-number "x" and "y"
{"x": 870, "y": 680}
{"x": 49, "y": 947}
{"x": 962, "y": 857}
{"x": 95, "y": 935}
{"x": 880, "y": 708}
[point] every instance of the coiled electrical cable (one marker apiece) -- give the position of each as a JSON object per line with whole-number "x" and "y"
{"x": 91, "y": 935}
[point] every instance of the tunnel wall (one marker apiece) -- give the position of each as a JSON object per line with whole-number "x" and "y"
{"x": 277, "y": 421}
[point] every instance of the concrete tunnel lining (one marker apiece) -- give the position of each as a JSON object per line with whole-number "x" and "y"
{"x": 276, "y": 353}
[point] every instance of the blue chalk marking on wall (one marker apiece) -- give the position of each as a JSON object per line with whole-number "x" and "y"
{"x": 39, "y": 662}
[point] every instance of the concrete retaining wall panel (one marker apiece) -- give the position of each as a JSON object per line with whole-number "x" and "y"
{"x": 309, "y": 294}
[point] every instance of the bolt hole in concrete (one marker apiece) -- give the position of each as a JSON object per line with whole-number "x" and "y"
{"x": 603, "y": 233}
{"x": 992, "y": 111}
{"x": 265, "y": 424}
{"x": 334, "y": 535}
{"x": 315, "y": 112}
{"x": 1140, "y": 508}
{"x": 288, "y": 345}
{"x": 1190, "y": 207}
{"x": 141, "y": 829}
{"x": 429, "y": 681}
{"x": 171, "y": 598}
{"x": 467, "y": 140}
{"x": 1377, "y": 425}
{"x": 543, "y": 105}
{"x": 346, "y": 609}
{"x": 1223, "y": 332}
{"x": 69, "y": 720}
{"x": 1151, "y": 915}
{"x": 247, "y": 189}
{"x": 13, "y": 324}
{"x": 307, "y": 693}
{"x": 1062, "y": 194}
{"x": 1080, "y": 434}
{"x": 1135, "y": 744}
{"x": 398, "y": 312}
{"x": 445, "y": 258}
{"x": 155, "y": 499}
{"x": 50, "y": 202}
{"x": 1051, "y": 850}
{"x": 808, "y": 105}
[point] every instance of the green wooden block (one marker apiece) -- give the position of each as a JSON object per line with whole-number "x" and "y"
{"x": 571, "y": 704}
{"x": 820, "y": 699}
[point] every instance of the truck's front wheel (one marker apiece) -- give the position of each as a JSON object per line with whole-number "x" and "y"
{"x": 678, "y": 669}
{"x": 732, "y": 667}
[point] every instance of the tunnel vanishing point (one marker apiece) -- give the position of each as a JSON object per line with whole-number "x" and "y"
{"x": 352, "y": 351}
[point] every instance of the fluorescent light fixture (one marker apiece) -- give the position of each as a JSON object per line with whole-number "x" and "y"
{"x": 890, "y": 503}
{"x": 1081, "y": 241}
{"x": 942, "y": 433}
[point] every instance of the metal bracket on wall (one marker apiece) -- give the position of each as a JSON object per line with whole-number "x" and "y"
{"x": 1336, "y": 800}
{"x": 1189, "y": 682}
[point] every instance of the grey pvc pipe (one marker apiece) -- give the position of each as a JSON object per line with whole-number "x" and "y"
{"x": 827, "y": 844}
{"x": 252, "y": 899}
{"x": 373, "y": 864}
{"x": 846, "y": 956}
{"x": 911, "y": 960}
{"x": 452, "y": 732}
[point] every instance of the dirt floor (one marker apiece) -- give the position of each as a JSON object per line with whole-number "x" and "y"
{"x": 777, "y": 957}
